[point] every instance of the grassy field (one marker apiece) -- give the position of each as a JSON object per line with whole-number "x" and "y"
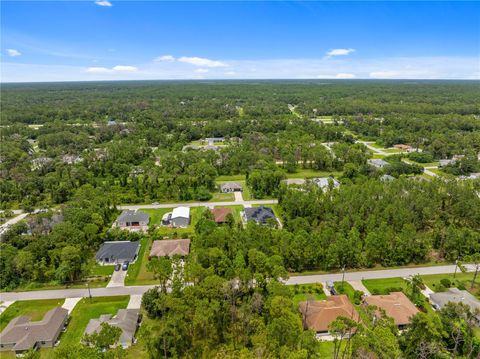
{"x": 222, "y": 197}
{"x": 345, "y": 288}
{"x": 309, "y": 173}
{"x": 383, "y": 286}
{"x": 135, "y": 269}
{"x": 304, "y": 292}
{"x": 84, "y": 311}
{"x": 230, "y": 178}
{"x": 461, "y": 281}
{"x": 35, "y": 309}
{"x": 156, "y": 214}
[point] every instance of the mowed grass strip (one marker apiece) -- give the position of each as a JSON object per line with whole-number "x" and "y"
{"x": 86, "y": 310}
{"x": 34, "y": 309}
{"x": 136, "y": 268}
{"x": 384, "y": 285}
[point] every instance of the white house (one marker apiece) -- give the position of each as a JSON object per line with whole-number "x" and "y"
{"x": 180, "y": 217}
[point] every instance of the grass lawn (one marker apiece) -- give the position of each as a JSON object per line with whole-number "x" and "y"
{"x": 84, "y": 311}
{"x": 222, "y": 197}
{"x": 309, "y": 173}
{"x": 345, "y": 288}
{"x": 392, "y": 150}
{"x": 384, "y": 286}
{"x": 137, "y": 272}
{"x": 304, "y": 292}
{"x": 461, "y": 280}
{"x": 230, "y": 178}
{"x": 377, "y": 156}
{"x": 156, "y": 214}
{"x": 35, "y": 309}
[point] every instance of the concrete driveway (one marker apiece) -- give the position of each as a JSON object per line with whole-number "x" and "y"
{"x": 118, "y": 279}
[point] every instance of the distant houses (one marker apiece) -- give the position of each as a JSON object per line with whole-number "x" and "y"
{"x": 117, "y": 252}
{"x": 377, "y": 163}
{"x": 396, "y": 305}
{"x": 132, "y": 220}
{"x": 230, "y": 187}
{"x": 260, "y": 215}
{"x": 178, "y": 218}
{"x": 21, "y": 334}
{"x": 170, "y": 248}
{"x": 324, "y": 183}
{"x": 126, "y": 319}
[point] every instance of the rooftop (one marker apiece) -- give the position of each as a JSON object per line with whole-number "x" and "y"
{"x": 456, "y": 296}
{"x": 396, "y": 306}
{"x": 126, "y": 320}
{"x": 170, "y": 247}
{"x": 129, "y": 215}
{"x": 259, "y": 214}
{"x": 118, "y": 250}
{"x": 220, "y": 214}
{"x": 181, "y": 212}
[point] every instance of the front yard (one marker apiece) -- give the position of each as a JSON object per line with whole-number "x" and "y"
{"x": 384, "y": 286}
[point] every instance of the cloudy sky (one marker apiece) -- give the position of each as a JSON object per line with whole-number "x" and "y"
{"x": 121, "y": 40}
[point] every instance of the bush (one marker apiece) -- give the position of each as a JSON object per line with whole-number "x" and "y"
{"x": 420, "y": 157}
{"x": 446, "y": 282}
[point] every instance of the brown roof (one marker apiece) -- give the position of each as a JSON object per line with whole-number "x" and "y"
{"x": 396, "y": 305}
{"x": 320, "y": 313}
{"x": 220, "y": 214}
{"x": 24, "y": 333}
{"x": 170, "y": 247}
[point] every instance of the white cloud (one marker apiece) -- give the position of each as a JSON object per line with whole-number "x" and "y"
{"x": 199, "y": 61}
{"x": 115, "y": 69}
{"x": 340, "y": 52}
{"x": 385, "y": 74}
{"x": 13, "y": 52}
{"x": 230, "y": 73}
{"x": 165, "y": 58}
{"x": 201, "y": 71}
{"x": 103, "y": 3}
{"x": 344, "y": 75}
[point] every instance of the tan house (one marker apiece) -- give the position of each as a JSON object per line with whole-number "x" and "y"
{"x": 170, "y": 248}
{"x": 21, "y": 334}
{"x": 220, "y": 214}
{"x": 396, "y": 305}
{"x": 318, "y": 314}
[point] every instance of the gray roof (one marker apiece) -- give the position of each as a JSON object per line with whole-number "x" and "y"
{"x": 130, "y": 215}
{"x": 379, "y": 163}
{"x": 387, "y": 178}
{"x": 232, "y": 185}
{"x": 126, "y": 320}
{"x": 24, "y": 333}
{"x": 324, "y": 182}
{"x": 118, "y": 250}
{"x": 456, "y": 296}
{"x": 259, "y": 214}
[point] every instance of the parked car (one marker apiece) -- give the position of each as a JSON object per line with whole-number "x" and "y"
{"x": 118, "y": 266}
{"x": 125, "y": 266}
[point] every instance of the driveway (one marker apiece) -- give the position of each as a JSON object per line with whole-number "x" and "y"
{"x": 117, "y": 279}
{"x": 70, "y": 303}
{"x": 135, "y": 302}
{"x": 238, "y": 196}
{"x": 358, "y": 285}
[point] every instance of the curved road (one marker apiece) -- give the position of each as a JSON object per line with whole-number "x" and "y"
{"x": 304, "y": 279}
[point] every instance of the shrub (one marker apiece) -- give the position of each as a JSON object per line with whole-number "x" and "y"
{"x": 446, "y": 282}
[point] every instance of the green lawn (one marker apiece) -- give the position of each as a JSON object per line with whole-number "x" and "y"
{"x": 98, "y": 270}
{"x": 230, "y": 178}
{"x": 86, "y": 310}
{"x": 156, "y": 214}
{"x": 345, "y": 288}
{"x": 309, "y": 173}
{"x": 378, "y": 156}
{"x": 35, "y": 309}
{"x": 392, "y": 150}
{"x": 304, "y": 292}
{"x": 384, "y": 286}
{"x": 137, "y": 272}
{"x": 222, "y": 197}
{"x": 461, "y": 281}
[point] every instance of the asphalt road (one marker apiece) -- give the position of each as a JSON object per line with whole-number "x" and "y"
{"x": 197, "y": 204}
{"x": 136, "y": 290}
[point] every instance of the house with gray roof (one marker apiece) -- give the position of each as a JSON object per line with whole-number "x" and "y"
{"x": 21, "y": 334}
{"x": 132, "y": 220}
{"x": 126, "y": 319}
{"x": 117, "y": 252}
{"x": 387, "y": 178}
{"x": 324, "y": 183}
{"x": 230, "y": 187}
{"x": 377, "y": 163}
{"x": 261, "y": 214}
{"x": 455, "y": 295}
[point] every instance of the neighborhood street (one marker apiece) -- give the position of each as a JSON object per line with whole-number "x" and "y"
{"x": 304, "y": 279}
{"x": 197, "y": 204}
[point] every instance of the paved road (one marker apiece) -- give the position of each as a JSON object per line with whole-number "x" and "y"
{"x": 197, "y": 204}
{"x": 137, "y": 290}
{"x": 12, "y": 221}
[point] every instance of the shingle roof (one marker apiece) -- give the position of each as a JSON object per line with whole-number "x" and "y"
{"x": 377, "y": 163}
{"x": 220, "y": 214}
{"x": 324, "y": 182}
{"x": 320, "y": 313}
{"x": 170, "y": 247}
{"x": 181, "y": 212}
{"x": 396, "y": 306}
{"x": 129, "y": 215}
{"x": 24, "y": 333}
{"x": 456, "y": 296}
{"x": 118, "y": 250}
{"x": 231, "y": 185}
{"x": 126, "y": 320}
{"x": 259, "y": 214}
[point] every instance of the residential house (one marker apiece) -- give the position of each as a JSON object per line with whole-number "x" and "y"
{"x": 230, "y": 187}
{"x": 132, "y": 220}
{"x": 396, "y": 305}
{"x": 170, "y": 248}
{"x": 455, "y": 295}
{"x": 71, "y": 159}
{"x": 378, "y": 163}
{"x": 403, "y": 147}
{"x": 445, "y": 162}
{"x": 387, "y": 178}
{"x": 324, "y": 183}
{"x": 318, "y": 314}
{"x": 261, "y": 214}
{"x": 21, "y": 334}
{"x": 213, "y": 140}
{"x": 220, "y": 214}
{"x": 126, "y": 319}
{"x": 179, "y": 217}
{"x": 117, "y": 252}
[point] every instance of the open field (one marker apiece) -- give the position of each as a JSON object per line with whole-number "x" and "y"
{"x": 307, "y": 292}
{"x": 35, "y": 309}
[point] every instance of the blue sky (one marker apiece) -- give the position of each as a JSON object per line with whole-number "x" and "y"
{"x": 108, "y": 40}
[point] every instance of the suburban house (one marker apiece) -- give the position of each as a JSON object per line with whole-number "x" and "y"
{"x": 230, "y": 187}
{"x": 71, "y": 159}
{"x": 318, "y": 314}
{"x": 387, "y": 178}
{"x": 117, "y": 252}
{"x": 455, "y": 295}
{"x": 126, "y": 319}
{"x": 170, "y": 248}
{"x": 403, "y": 147}
{"x": 179, "y": 217}
{"x": 220, "y": 214}
{"x": 213, "y": 140}
{"x": 132, "y": 220}
{"x": 324, "y": 183}
{"x": 261, "y": 214}
{"x": 396, "y": 305}
{"x": 21, "y": 334}
{"x": 445, "y": 162}
{"x": 377, "y": 163}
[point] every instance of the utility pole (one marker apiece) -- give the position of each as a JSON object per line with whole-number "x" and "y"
{"x": 343, "y": 275}
{"x": 89, "y": 293}
{"x": 456, "y": 266}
